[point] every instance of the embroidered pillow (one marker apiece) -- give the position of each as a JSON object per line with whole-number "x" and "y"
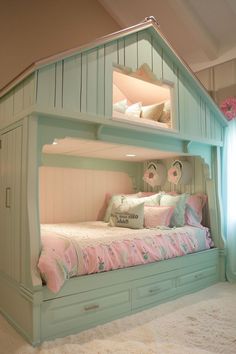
{"x": 152, "y": 200}
{"x": 152, "y": 112}
{"x": 157, "y": 216}
{"x": 125, "y": 215}
{"x": 194, "y": 206}
{"x": 110, "y": 200}
{"x": 134, "y": 110}
{"x": 120, "y": 106}
{"x": 178, "y": 202}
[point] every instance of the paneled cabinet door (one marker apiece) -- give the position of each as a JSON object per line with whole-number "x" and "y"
{"x": 10, "y": 202}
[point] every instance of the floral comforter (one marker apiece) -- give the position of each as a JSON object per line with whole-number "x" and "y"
{"x": 70, "y": 250}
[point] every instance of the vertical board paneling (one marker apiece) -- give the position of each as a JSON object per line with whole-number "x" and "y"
{"x": 144, "y": 49}
{"x": 157, "y": 54}
{"x": 58, "y": 85}
{"x": 111, "y": 58}
{"x": 121, "y": 51}
{"x": 84, "y": 68}
{"x": 92, "y": 81}
{"x": 29, "y": 91}
{"x": 72, "y": 83}
{"x": 18, "y": 98}
{"x": 46, "y": 86}
{"x": 70, "y": 195}
{"x": 101, "y": 81}
{"x": 9, "y": 107}
{"x": 131, "y": 50}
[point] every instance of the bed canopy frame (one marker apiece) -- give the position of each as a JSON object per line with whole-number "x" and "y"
{"x": 70, "y": 96}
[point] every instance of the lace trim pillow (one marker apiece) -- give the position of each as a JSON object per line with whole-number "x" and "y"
{"x": 179, "y": 203}
{"x": 126, "y": 215}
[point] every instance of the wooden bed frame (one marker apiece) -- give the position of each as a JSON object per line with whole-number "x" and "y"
{"x": 70, "y": 95}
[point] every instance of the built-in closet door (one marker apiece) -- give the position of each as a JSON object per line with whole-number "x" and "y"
{"x": 10, "y": 202}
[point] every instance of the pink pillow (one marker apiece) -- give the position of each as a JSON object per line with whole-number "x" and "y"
{"x": 157, "y": 215}
{"x": 194, "y": 206}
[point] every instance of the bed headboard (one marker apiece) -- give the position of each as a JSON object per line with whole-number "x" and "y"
{"x": 71, "y": 194}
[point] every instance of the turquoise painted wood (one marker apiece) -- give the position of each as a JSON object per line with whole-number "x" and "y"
{"x": 72, "y": 96}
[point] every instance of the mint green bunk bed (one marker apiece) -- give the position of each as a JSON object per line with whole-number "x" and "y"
{"x": 79, "y": 95}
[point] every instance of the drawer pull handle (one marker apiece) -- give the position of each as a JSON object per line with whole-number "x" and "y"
{"x": 91, "y": 307}
{"x": 153, "y": 291}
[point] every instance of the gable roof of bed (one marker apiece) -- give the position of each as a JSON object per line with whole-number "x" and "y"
{"x": 80, "y": 80}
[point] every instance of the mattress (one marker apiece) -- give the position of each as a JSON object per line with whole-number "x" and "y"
{"x": 76, "y": 249}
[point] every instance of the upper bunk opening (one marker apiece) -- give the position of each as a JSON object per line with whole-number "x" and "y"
{"x": 139, "y": 98}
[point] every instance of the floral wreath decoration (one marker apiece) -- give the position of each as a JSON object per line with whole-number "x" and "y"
{"x": 175, "y": 173}
{"x": 155, "y": 174}
{"x": 228, "y": 107}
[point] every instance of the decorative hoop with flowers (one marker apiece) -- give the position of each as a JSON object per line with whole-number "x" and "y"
{"x": 228, "y": 107}
{"x": 155, "y": 174}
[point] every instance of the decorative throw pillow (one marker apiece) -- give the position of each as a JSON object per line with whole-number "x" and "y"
{"x": 116, "y": 198}
{"x": 152, "y": 200}
{"x": 125, "y": 215}
{"x": 134, "y": 110}
{"x": 152, "y": 112}
{"x": 194, "y": 206}
{"x": 165, "y": 116}
{"x": 178, "y": 202}
{"x": 157, "y": 216}
{"x": 120, "y": 106}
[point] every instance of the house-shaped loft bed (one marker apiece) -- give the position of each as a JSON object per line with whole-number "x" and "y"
{"x": 67, "y": 124}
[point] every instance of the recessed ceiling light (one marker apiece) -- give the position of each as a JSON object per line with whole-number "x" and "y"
{"x": 130, "y": 155}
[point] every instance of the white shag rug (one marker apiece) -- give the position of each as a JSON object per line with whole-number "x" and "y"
{"x": 204, "y": 322}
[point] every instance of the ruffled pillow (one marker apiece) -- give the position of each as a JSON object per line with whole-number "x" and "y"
{"x": 125, "y": 215}
{"x": 194, "y": 207}
{"x": 155, "y": 216}
{"x": 179, "y": 203}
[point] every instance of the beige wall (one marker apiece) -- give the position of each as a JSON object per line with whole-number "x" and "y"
{"x": 33, "y": 29}
{"x": 220, "y": 80}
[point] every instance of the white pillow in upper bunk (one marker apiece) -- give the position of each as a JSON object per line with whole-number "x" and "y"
{"x": 153, "y": 111}
{"x": 126, "y": 215}
{"x": 134, "y": 110}
{"x": 120, "y": 106}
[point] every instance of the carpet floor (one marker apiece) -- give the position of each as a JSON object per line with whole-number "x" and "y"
{"x": 204, "y": 322}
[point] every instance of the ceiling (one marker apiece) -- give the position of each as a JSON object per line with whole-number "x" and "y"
{"x": 103, "y": 150}
{"x": 202, "y": 32}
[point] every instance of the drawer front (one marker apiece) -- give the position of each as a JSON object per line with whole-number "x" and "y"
{"x": 60, "y": 316}
{"x": 152, "y": 292}
{"x": 197, "y": 275}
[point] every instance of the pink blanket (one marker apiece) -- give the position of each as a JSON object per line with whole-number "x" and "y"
{"x": 91, "y": 247}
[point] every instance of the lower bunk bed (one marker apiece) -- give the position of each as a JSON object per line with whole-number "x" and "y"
{"x": 133, "y": 269}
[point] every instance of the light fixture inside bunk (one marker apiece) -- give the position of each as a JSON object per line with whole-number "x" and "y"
{"x": 155, "y": 174}
{"x": 130, "y": 155}
{"x": 180, "y": 172}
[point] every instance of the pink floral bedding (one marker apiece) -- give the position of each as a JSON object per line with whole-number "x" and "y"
{"x": 91, "y": 247}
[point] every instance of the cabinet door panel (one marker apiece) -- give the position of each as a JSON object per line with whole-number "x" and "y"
{"x": 10, "y": 202}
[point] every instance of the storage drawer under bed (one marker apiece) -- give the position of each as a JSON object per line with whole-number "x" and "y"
{"x": 83, "y": 310}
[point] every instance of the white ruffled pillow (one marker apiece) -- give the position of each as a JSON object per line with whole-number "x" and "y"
{"x": 120, "y": 106}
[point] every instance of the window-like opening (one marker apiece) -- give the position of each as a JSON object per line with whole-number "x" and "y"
{"x": 138, "y": 98}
